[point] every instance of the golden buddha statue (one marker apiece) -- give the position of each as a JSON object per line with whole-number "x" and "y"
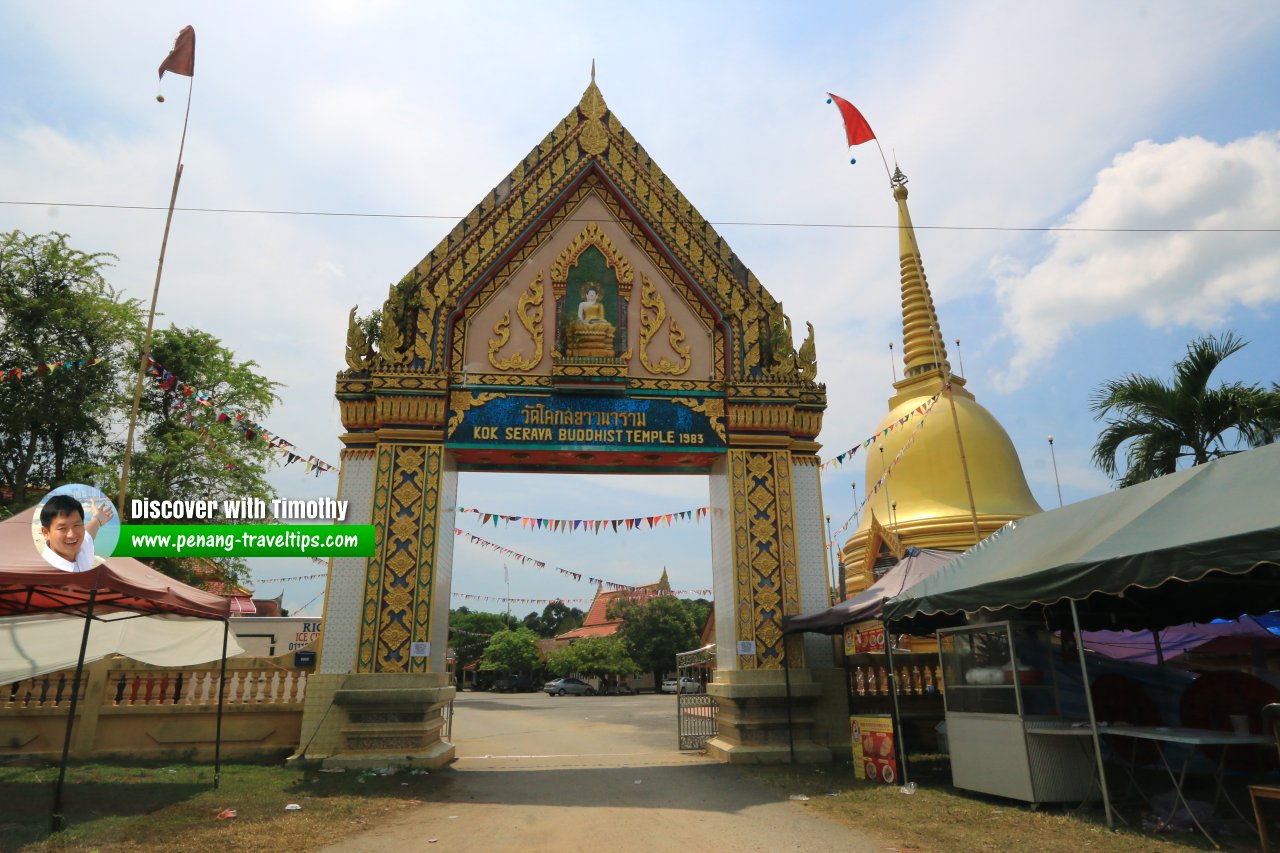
{"x": 591, "y": 334}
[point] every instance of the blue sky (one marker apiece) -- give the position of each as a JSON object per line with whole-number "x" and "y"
{"x": 1007, "y": 115}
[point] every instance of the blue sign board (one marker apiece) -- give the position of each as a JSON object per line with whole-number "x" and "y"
{"x": 569, "y": 422}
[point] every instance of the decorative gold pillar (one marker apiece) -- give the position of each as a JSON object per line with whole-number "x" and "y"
{"x": 766, "y": 714}
{"x": 395, "y": 619}
{"x": 378, "y": 701}
{"x": 764, "y": 548}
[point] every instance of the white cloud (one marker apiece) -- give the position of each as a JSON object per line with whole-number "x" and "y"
{"x": 1165, "y": 279}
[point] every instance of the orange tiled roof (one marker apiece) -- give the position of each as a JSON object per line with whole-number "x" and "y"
{"x": 592, "y": 631}
{"x": 597, "y": 622}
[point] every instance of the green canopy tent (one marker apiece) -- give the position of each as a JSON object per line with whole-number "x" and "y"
{"x": 1196, "y": 545}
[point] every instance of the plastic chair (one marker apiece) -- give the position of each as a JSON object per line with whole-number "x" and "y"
{"x": 1270, "y": 721}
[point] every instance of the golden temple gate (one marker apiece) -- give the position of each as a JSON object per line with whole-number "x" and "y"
{"x": 583, "y": 317}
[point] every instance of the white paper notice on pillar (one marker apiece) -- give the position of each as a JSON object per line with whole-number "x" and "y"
{"x": 419, "y": 650}
{"x": 746, "y": 647}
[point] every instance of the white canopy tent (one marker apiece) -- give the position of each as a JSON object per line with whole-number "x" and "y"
{"x": 40, "y": 643}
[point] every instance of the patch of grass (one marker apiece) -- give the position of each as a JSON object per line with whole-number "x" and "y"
{"x": 938, "y": 817}
{"x": 135, "y": 806}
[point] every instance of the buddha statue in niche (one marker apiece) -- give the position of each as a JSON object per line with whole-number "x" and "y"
{"x": 591, "y": 334}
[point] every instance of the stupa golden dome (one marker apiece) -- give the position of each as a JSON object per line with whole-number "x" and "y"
{"x": 960, "y": 479}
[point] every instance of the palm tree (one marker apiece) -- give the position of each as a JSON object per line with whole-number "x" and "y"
{"x": 1163, "y": 423}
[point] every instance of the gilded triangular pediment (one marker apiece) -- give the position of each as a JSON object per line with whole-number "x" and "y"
{"x": 588, "y": 171}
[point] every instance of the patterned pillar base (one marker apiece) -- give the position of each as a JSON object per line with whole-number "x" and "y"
{"x": 752, "y": 717}
{"x": 377, "y": 720}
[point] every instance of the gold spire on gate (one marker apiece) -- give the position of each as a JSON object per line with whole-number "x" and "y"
{"x": 594, "y": 139}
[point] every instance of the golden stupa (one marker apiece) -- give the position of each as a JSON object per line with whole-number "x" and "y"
{"x": 925, "y": 501}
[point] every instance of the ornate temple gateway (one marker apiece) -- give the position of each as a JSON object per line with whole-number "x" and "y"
{"x": 583, "y": 317}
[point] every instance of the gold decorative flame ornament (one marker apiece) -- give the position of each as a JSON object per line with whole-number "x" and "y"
{"x": 653, "y": 310}
{"x": 529, "y": 311}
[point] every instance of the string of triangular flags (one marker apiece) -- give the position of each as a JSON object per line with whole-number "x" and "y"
{"x": 640, "y": 595}
{"x": 921, "y": 410}
{"x": 589, "y": 525}
{"x": 233, "y": 418}
{"x": 524, "y": 558}
{"x": 835, "y": 536}
{"x": 898, "y": 456}
{"x": 292, "y": 578}
{"x": 45, "y": 368}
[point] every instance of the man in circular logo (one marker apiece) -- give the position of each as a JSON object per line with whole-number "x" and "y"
{"x": 68, "y": 537}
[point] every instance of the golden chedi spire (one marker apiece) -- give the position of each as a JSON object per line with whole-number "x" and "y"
{"x": 924, "y": 501}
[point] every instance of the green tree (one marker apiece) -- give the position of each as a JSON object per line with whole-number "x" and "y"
{"x": 562, "y": 660}
{"x": 654, "y": 630}
{"x": 511, "y": 651}
{"x": 189, "y": 448}
{"x": 470, "y": 632}
{"x": 55, "y": 305}
{"x": 1159, "y": 424}
{"x": 605, "y": 658}
{"x": 556, "y": 618}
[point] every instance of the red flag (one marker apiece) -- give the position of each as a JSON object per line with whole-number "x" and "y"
{"x": 856, "y": 128}
{"x": 182, "y": 59}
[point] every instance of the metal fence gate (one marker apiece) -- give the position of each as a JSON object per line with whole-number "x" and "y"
{"x": 695, "y": 712}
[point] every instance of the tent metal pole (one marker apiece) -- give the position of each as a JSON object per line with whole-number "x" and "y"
{"x": 1155, "y": 636}
{"x": 56, "y": 820}
{"x": 900, "y": 744}
{"x": 1093, "y": 720}
{"x": 786, "y": 674}
{"x": 222, "y": 689}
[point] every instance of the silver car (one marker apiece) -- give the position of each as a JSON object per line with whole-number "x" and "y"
{"x": 561, "y": 686}
{"x": 684, "y": 685}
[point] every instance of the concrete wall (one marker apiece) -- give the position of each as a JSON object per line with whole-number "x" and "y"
{"x": 131, "y": 709}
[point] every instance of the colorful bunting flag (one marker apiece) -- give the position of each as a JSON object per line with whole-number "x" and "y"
{"x": 13, "y": 374}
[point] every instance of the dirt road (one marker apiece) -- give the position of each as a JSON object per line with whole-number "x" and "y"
{"x": 594, "y": 773}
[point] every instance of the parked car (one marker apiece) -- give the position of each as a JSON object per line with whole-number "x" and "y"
{"x": 516, "y": 684}
{"x": 685, "y": 685}
{"x": 561, "y": 686}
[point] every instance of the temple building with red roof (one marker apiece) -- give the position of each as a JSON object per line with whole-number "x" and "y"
{"x": 597, "y": 622}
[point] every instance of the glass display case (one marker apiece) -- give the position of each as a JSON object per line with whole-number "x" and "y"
{"x": 1005, "y": 732}
{"x": 996, "y": 669}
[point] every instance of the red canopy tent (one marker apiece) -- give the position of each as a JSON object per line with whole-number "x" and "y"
{"x": 28, "y": 584}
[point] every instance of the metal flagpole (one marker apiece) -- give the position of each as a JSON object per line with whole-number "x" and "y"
{"x": 151, "y": 313}
{"x": 56, "y": 819}
{"x": 1054, "y": 457}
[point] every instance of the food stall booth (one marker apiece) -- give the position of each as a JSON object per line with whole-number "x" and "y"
{"x": 889, "y": 688}
{"x": 1189, "y": 547}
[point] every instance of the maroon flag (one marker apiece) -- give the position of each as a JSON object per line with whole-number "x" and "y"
{"x": 855, "y": 126}
{"x": 182, "y": 59}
